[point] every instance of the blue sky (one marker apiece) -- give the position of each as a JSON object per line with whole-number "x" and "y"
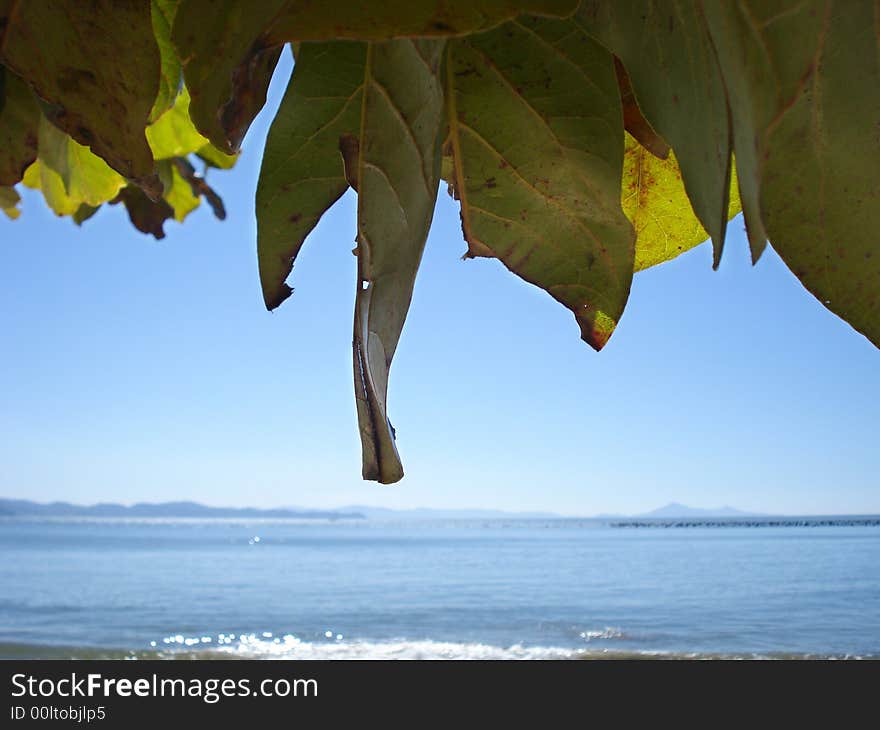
{"x": 135, "y": 370}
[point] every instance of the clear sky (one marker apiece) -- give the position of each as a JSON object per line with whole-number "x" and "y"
{"x": 135, "y": 370}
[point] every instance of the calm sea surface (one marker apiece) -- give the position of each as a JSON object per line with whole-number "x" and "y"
{"x": 548, "y": 589}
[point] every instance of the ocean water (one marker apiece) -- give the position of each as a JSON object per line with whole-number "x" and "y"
{"x": 498, "y": 590}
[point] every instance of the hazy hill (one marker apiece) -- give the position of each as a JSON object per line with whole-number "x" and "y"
{"x": 674, "y": 509}
{"x": 26, "y": 508}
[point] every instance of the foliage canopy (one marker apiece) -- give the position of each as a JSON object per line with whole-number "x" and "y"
{"x": 584, "y": 141}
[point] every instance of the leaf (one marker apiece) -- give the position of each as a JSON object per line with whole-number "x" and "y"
{"x": 226, "y": 66}
{"x": 820, "y": 188}
{"x": 19, "y": 118}
{"x": 634, "y": 121}
{"x": 9, "y": 200}
{"x": 96, "y": 64}
{"x": 162, "y": 14}
{"x": 398, "y": 176}
{"x": 395, "y": 18}
{"x": 40, "y": 177}
{"x": 302, "y": 172}
{"x": 148, "y": 216}
{"x": 230, "y": 48}
{"x": 537, "y": 135}
{"x": 178, "y": 192}
{"x": 668, "y": 55}
{"x": 766, "y": 50}
{"x": 86, "y": 178}
{"x": 199, "y": 187}
{"x": 655, "y": 201}
{"x": 213, "y": 157}
{"x": 84, "y": 212}
{"x": 173, "y": 134}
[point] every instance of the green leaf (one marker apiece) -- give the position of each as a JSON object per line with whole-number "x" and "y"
{"x": 302, "y": 172}
{"x": 655, "y": 201}
{"x": 213, "y": 157}
{"x": 96, "y": 64}
{"x": 162, "y": 14}
{"x": 9, "y": 200}
{"x": 226, "y": 66}
{"x": 537, "y": 137}
{"x": 49, "y": 182}
{"x": 634, "y": 121}
{"x": 820, "y": 187}
{"x": 230, "y": 48}
{"x": 668, "y": 55}
{"x": 19, "y": 118}
{"x": 173, "y": 134}
{"x": 85, "y": 177}
{"x": 398, "y": 174}
{"x": 395, "y": 18}
{"x": 84, "y": 212}
{"x": 178, "y": 192}
{"x": 767, "y": 50}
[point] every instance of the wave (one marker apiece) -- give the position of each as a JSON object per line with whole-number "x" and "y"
{"x": 292, "y": 648}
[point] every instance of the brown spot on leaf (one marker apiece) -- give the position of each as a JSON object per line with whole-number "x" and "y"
{"x": 350, "y": 149}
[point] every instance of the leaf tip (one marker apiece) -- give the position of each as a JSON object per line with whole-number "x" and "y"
{"x": 596, "y": 329}
{"x": 276, "y": 297}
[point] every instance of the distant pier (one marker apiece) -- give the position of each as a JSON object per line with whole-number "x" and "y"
{"x": 855, "y": 521}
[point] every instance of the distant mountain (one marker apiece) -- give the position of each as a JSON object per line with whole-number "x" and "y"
{"x": 424, "y": 513}
{"x": 674, "y": 509}
{"x": 26, "y": 508}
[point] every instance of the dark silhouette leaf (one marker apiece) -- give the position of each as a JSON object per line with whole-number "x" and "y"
{"x": 148, "y": 216}
{"x": 19, "y": 120}
{"x": 9, "y": 200}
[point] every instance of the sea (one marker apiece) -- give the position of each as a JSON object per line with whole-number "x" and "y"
{"x": 805, "y": 588}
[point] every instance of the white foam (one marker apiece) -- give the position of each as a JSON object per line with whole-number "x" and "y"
{"x": 290, "y": 647}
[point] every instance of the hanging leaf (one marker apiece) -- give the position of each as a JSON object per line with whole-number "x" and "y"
{"x": 178, "y": 192}
{"x": 162, "y": 14}
{"x": 537, "y": 139}
{"x": 671, "y": 63}
{"x": 199, "y": 187}
{"x": 86, "y": 178}
{"x": 226, "y": 65}
{"x": 213, "y": 157}
{"x": 84, "y": 212}
{"x": 96, "y": 64}
{"x": 302, "y": 172}
{"x": 173, "y": 134}
{"x": 229, "y": 48}
{"x": 655, "y": 201}
{"x": 148, "y": 216}
{"x": 767, "y": 51}
{"x": 398, "y": 174}
{"x": 9, "y": 200}
{"x": 820, "y": 188}
{"x": 634, "y": 121}
{"x": 19, "y": 119}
